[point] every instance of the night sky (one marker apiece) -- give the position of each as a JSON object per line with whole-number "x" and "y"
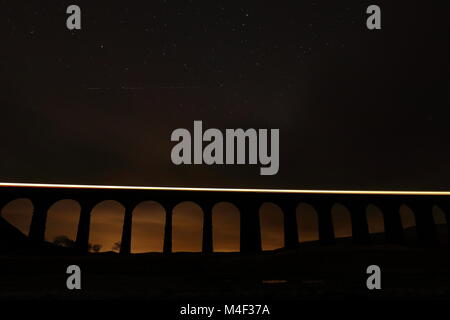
{"x": 356, "y": 109}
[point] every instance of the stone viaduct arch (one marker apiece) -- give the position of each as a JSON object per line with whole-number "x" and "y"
{"x": 187, "y": 227}
{"x": 19, "y": 213}
{"x": 107, "y": 217}
{"x": 375, "y": 221}
{"x": 271, "y": 220}
{"x": 342, "y": 222}
{"x": 440, "y": 220}
{"x": 148, "y": 227}
{"x": 307, "y": 222}
{"x": 226, "y": 226}
{"x": 65, "y": 214}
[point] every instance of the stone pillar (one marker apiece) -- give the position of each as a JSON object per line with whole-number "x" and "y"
{"x": 393, "y": 227}
{"x": 425, "y": 225}
{"x": 167, "y": 248}
{"x": 39, "y": 219}
{"x": 250, "y": 236}
{"x": 207, "y": 241}
{"x": 82, "y": 241}
{"x": 290, "y": 224}
{"x": 360, "y": 228}
{"x": 125, "y": 243}
{"x": 326, "y": 229}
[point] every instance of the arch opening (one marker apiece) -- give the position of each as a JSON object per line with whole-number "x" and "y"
{"x": 62, "y": 222}
{"x": 408, "y": 223}
{"x": 342, "y": 222}
{"x": 307, "y": 222}
{"x": 271, "y": 221}
{"x": 148, "y": 227}
{"x": 226, "y": 227}
{"x": 106, "y": 227}
{"x": 187, "y": 227}
{"x": 440, "y": 221}
{"x": 375, "y": 223}
{"x": 19, "y": 213}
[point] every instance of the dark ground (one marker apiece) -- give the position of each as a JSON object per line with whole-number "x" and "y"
{"x": 309, "y": 272}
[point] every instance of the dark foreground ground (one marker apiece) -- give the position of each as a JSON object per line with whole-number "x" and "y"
{"x": 310, "y": 272}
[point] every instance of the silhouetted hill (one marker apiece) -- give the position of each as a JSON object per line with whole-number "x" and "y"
{"x": 14, "y": 241}
{"x": 11, "y": 239}
{"x": 311, "y": 271}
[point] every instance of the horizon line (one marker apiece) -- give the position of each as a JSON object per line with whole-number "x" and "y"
{"x": 254, "y": 190}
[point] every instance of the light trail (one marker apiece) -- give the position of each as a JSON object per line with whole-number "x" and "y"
{"x": 254, "y": 190}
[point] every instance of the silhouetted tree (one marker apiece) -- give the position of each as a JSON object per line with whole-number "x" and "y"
{"x": 94, "y": 247}
{"x": 116, "y": 246}
{"x": 64, "y": 241}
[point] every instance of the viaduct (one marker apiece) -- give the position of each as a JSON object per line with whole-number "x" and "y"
{"x": 248, "y": 201}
